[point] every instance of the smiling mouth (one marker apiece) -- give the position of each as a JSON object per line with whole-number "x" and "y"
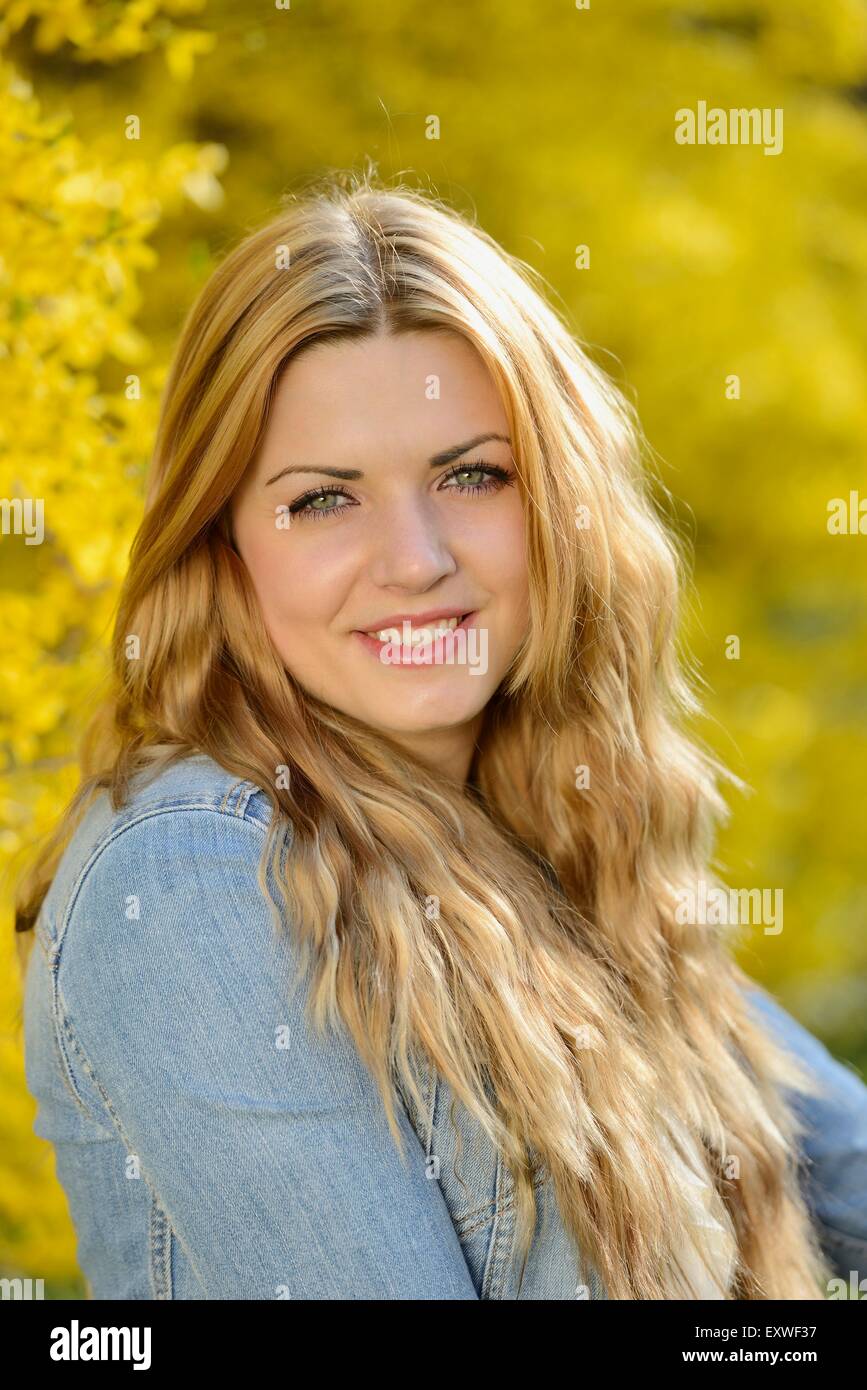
{"x": 418, "y": 636}
{"x": 439, "y": 630}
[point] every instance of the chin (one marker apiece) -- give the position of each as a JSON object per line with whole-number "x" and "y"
{"x": 420, "y": 715}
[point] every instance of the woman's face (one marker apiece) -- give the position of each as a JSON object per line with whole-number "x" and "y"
{"x": 384, "y": 491}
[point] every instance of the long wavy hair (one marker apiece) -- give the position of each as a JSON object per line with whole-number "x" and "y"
{"x": 555, "y": 990}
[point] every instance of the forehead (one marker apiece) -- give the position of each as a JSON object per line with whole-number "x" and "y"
{"x": 415, "y": 391}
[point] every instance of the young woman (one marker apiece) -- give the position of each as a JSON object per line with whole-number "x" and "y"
{"x": 359, "y": 969}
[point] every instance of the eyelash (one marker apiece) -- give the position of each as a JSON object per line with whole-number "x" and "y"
{"x": 497, "y": 477}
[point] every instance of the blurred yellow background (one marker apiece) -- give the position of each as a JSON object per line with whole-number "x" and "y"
{"x": 555, "y": 127}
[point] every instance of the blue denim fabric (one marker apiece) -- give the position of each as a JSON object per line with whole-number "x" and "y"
{"x": 834, "y": 1160}
{"x": 211, "y": 1146}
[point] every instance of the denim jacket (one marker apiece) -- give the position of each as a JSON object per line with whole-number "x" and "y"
{"x": 212, "y": 1146}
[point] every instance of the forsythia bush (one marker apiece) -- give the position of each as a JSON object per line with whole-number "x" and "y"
{"x": 74, "y": 241}
{"x": 107, "y": 30}
{"x": 554, "y": 125}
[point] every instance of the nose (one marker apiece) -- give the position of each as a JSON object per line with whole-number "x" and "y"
{"x": 409, "y": 547}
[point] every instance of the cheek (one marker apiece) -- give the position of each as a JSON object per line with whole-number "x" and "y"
{"x": 295, "y": 597}
{"x": 277, "y": 588}
{"x": 499, "y": 559}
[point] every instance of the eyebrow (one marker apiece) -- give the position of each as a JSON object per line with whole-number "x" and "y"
{"x": 436, "y": 461}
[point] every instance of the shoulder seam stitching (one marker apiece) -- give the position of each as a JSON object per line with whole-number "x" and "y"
{"x": 65, "y": 1031}
{"x": 147, "y": 813}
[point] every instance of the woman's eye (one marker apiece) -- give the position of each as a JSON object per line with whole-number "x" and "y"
{"x": 319, "y": 503}
{"x": 492, "y": 476}
{"x": 307, "y": 506}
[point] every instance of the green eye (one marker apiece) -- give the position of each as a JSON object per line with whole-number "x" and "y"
{"x": 314, "y": 504}
{"x": 495, "y": 478}
{"x": 306, "y": 506}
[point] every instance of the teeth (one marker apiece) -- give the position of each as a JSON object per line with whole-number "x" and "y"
{"x": 419, "y": 635}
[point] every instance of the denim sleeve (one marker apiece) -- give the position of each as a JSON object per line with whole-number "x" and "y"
{"x": 834, "y": 1177}
{"x": 265, "y": 1143}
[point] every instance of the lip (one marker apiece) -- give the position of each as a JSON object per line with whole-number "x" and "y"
{"x": 417, "y": 619}
{"x": 375, "y": 647}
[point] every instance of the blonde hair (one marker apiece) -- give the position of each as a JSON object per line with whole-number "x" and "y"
{"x": 568, "y": 1009}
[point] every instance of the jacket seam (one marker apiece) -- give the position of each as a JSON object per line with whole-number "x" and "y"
{"x": 63, "y": 1025}
{"x": 430, "y": 1109}
{"x": 495, "y": 1262}
{"x": 59, "y": 1023}
{"x": 487, "y": 1209}
{"x": 160, "y": 1231}
{"x": 160, "y": 1236}
{"x": 147, "y": 813}
{"x": 422, "y": 1117}
{"x": 245, "y": 791}
{"x": 86, "y": 1065}
{"x": 52, "y": 946}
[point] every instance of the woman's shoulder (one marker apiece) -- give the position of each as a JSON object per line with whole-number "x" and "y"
{"x": 173, "y": 972}
{"x": 178, "y": 820}
{"x": 195, "y": 782}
